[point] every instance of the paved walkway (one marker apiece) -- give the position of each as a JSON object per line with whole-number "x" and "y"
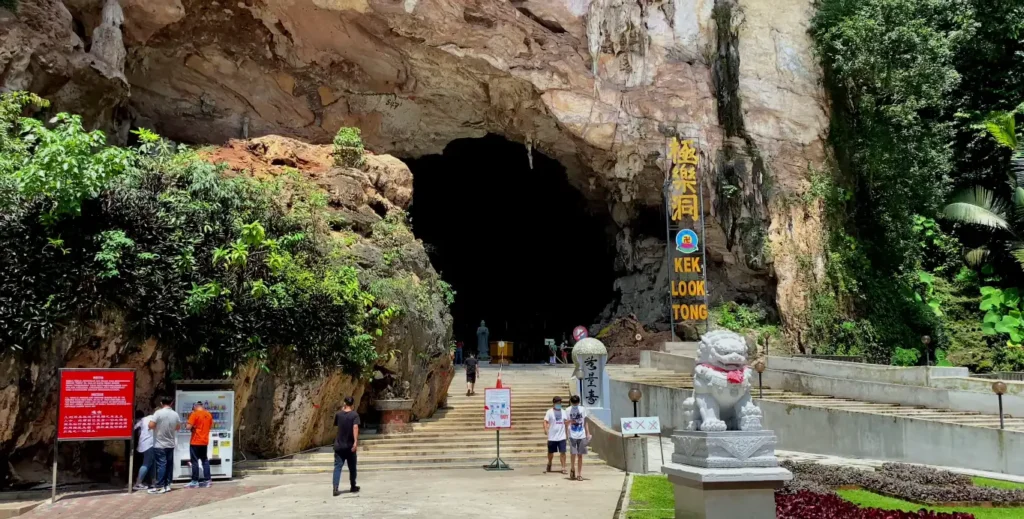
{"x": 523, "y": 493}
{"x": 140, "y": 505}
{"x": 472, "y": 493}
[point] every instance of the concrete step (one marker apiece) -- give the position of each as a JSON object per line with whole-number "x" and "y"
{"x": 381, "y": 446}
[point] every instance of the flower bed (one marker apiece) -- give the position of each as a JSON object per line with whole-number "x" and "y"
{"x": 809, "y": 505}
{"x": 916, "y": 484}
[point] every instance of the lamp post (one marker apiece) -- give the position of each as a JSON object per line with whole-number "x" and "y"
{"x": 999, "y": 388}
{"x": 759, "y": 366}
{"x": 926, "y": 340}
{"x": 635, "y": 395}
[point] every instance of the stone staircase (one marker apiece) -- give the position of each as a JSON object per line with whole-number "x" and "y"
{"x": 664, "y": 378}
{"x": 454, "y": 437}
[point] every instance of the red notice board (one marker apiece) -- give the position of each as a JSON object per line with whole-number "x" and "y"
{"x": 96, "y": 404}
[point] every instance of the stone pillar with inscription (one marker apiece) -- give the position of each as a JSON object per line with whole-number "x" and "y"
{"x": 589, "y": 356}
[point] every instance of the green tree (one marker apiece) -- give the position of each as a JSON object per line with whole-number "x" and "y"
{"x": 983, "y": 207}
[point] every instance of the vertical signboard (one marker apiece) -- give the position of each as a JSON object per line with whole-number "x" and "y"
{"x": 684, "y": 199}
{"x": 96, "y": 404}
{"x": 590, "y": 384}
{"x": 498, "y": 408}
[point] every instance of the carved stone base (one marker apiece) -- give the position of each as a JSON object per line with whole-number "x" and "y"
{"x": 726, "y": 449}
{"x": 747, "y": 493}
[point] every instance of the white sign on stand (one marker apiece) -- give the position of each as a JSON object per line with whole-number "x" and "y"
{"x": 641, "y": 425}
{"x": 498, "y": 408}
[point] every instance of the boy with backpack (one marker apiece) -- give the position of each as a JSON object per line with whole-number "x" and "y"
{"x": 579, "y": 437}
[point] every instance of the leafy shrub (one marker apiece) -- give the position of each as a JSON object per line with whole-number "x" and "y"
{"x": 1002, "y": 313}
{"x": 905, "y": 357}
{"x": 925, "y": 475}
{"x": 744, "y": 319}
{"x": 348, "y": 148}
{"x": 221, "y": 269}
{"x": 809, "y": 505}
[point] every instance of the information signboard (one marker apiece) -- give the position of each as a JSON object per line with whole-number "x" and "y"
{"x": 641, "y": 425}
{"x": 498, "y": 408}
{"x": 684, "y": 201}
{"x": 96, "y": 404}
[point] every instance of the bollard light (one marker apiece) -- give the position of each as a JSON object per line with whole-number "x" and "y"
{"x": 635, "y": 395}
{"x": 926, "y": 340}
{"x": 999, "y": 388}
{"x": 759, "y": 367}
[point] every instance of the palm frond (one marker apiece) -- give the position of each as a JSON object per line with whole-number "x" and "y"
{"x": 1017, "y": 167}
{"x": 1018, "y": 254}
{"x": 975, "y": 257}
{"x": 978, "y": 206}
{"x": 1000, "y": 125}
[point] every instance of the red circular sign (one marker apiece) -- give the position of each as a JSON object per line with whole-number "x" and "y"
{"x": 579, "y": 333}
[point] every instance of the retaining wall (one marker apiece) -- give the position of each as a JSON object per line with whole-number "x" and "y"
{"x": 913, "y": 376}
{"x": 857, "y": 435}
{"x": 981, "y": 385}
{"x": 864, "y": 435}
{"x": 894, "y": 393}
{"x": 628, "y": 454}
{"x": 667, "y": 361}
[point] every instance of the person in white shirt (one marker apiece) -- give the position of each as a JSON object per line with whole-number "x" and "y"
{"x": 145, "y": 448}
{"x": 554, "y": 427}
{"x": 579, "y": 437}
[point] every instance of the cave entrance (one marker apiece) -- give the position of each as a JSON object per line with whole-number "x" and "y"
{"x": 520, "y": 246}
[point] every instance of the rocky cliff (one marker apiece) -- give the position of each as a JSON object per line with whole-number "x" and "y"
{"x": 281, "y": 407}
{"x": 598, "y": 84}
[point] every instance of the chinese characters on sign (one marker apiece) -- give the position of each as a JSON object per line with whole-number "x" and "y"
{"x": 498, "y": 408}
{"x": 96, "y": 404}
{"x": 590, "y": 384}
{"x": 685, "y": 209}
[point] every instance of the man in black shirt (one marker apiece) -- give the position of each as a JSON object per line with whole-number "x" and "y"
{"x": 472, "y": 370}
{"x": 345, "y": 444}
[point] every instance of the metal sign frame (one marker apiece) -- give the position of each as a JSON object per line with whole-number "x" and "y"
{"x": 131, "y": 437}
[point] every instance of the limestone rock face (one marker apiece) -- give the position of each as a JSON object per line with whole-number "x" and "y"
{"x": 279, "y": 411}
{"x": 41, "y": 51}
{"x": 599, "y": 85}
{"x": 284, "y": 410}
{"x": 28, "y": 400}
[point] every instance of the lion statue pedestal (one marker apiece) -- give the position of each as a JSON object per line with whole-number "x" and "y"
{"x": 724, "y": 465}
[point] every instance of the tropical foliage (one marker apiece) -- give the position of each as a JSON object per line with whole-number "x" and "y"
{"x": 919, "y": 89}
{"x": 223, "y": 268}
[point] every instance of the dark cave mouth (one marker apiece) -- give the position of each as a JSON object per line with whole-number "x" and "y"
{"x": 521, "y": 247}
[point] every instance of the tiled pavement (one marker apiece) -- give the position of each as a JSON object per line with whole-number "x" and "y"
{"x": 138, "y": 505}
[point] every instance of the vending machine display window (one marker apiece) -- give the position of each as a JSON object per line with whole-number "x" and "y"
{"x": 221, "y": 405}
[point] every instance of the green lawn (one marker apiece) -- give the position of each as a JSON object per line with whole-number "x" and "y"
{"x": 996, "y": 483}
{"x": 651, "y": 498}
{"x": 866, "y": 499}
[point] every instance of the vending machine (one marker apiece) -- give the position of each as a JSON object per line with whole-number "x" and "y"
{"x": 221, "y": 405}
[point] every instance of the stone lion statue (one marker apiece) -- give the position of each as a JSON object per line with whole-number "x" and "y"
{"x": 721, "y": 386}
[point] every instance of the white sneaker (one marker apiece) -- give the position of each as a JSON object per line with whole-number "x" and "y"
{"x": 159, "y": 490}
